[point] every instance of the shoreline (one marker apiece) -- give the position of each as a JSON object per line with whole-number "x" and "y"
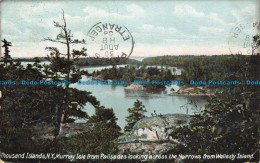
{"x": 192, "y": 94}
{"x": 136, "y": 87}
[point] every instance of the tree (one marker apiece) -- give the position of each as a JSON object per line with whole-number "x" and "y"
{"x": 101, "y": 138}
{"x": 64, "y": 63}
{"x": 230, "y": 121}
{"x": 7, "y": 56}
{"x": 256, "y": 43}
{"x": 135, "y": 114}
{"x": 25, "y": 109}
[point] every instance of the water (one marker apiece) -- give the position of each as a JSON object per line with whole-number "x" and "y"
{"x": 99, "y": 68}
{"x": 137, "y": 58}
{"x": 41, "y": 63}
{"x": 176, "y": 72}
{"x": 120, "y": 99}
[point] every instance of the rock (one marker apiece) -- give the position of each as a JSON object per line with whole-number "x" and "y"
{"x": 136, "y": 87}
{"x": 98, "y": 78}
{"x": 46, "y": 132}
{"x": 147, "y": 147}
{"x": 70, "y": 129}
{"x": 151, "y": 135}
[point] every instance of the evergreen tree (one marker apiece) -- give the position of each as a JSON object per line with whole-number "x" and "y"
{"x": 135, "y": 114}
{"x": 62, "y": 68}
{"x": 25, "y": 109}
{"x": 230, "y": 122}
{"x": 256, "y": 43}
{"x": 7, "y": 56}
{"x": 101, "y": 138}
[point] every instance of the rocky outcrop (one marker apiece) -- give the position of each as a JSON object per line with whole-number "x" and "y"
{"x": 193, "y": 91}
{"x": 136, "y": 87}
{"x": 151, "y": 135}
{"x": 68, "y": 129}
{"x": 98, "y": 78}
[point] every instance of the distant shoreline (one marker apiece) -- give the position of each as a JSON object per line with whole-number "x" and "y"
{"x": 192, "y": 94}
{"x": 193, "y": 91}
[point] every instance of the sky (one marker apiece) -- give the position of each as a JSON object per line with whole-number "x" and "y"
{"x": 158, "y": 27}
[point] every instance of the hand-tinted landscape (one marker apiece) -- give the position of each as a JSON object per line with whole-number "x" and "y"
{"x": 189, "y": 79}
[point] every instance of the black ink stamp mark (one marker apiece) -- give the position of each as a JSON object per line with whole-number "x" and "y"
{"x": 110, "y": 41}
{"x": 241, "y": 38}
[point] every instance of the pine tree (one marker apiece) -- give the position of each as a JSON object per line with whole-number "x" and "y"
{"x": 63, "y": 68}
{"x": 230, "y": 121}
{"x": 7, "y": 56}
{"x": 24, "y": 108}
{"x": 255, "y": 43}
{"x": 101, "y": 138}
{"x": 105, "y": 131}
{"x": 135, "y": 114}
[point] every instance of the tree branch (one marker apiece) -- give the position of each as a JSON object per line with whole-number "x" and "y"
{"x": 56, "y": 24}
{"x": 64, "y": 19}
{"x": 76, "y": 41}
{"x": 50, "y": 39}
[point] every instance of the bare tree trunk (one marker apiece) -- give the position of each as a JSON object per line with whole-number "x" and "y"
{"x": 66, "y": 105}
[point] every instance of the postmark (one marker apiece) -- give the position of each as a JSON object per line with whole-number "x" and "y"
{"x": 241, "y": 38}
{"x": 110, "y": 41}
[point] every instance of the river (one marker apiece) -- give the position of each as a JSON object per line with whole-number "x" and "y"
{"x": 120, "y": 99}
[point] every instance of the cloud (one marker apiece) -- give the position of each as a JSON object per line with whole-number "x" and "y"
{"x": 28, "y": 12}
{"x": 210, "y": 30}
{"x": 183, "y": 10}
{"x": 180, "y": 10}
{"x": 79, "y": 35}
{"x": 94, "y": 11}
{"x": 9, "y": 27}
{"x": 159, "y": 29}
{"x": 176, "y": 49}
{"x": 147, "y": 27}
{"x": 134, "y": 11}
{"x": 184, "y": 27}
{"x": 32, "y": 12}
{"x": 215, "y": 17}
{"x": 171, "y": 29}
{"x": 10, "y": 37}
{"x": 244, "y": 13}
{"x": 159, "y": 35}
{"x": 36, "y": 13}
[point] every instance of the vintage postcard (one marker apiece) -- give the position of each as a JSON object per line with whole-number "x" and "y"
{"x": 129, "y": 81}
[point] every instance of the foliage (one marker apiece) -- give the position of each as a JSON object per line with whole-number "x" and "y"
{"x": 91, "y": 61}
{"x": 62, "y": 68}
{"x": 28, "y": 109}
{"x": 24, "y": 107}
{"x": 7, "y": 56}
{"x": 99, "y": 139}
{"x": 131, "y": 73}
{"x": 135, "y": 114}
{"x": 229, "y": 123}
{"x": 177, "y": 61}
{"x": 204, "y": 68}
{"x": 256, "y": 43}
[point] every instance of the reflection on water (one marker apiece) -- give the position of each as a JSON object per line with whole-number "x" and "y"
{"x": 120, "y": 99}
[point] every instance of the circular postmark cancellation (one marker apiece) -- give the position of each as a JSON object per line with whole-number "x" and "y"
{"x": 110, "y": 41}
{"x": 241, "y": 40}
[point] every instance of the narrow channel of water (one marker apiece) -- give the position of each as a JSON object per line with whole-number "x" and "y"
{"x": 120, "y": 99}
